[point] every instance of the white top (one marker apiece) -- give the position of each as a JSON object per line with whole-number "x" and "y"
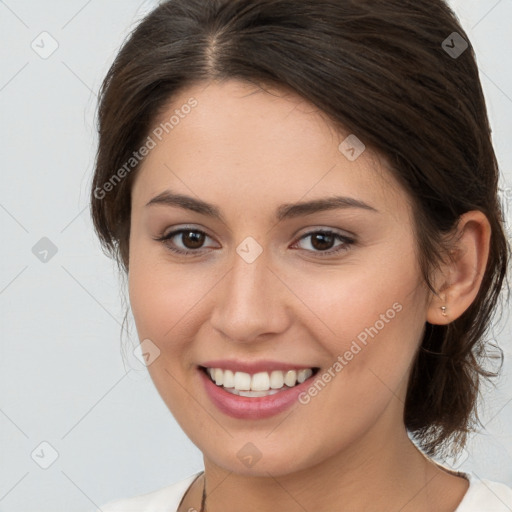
{"x": 482, "y": 495}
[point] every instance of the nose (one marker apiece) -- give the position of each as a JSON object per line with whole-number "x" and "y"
{"x": 251, "y": 301}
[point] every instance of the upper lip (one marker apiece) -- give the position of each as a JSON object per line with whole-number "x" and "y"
{"x": 252, "y": 367}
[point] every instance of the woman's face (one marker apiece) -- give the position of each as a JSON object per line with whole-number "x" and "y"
{"x": 267, "y": 287}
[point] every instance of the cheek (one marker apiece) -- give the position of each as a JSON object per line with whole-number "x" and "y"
{"x": 367, "y": 316}
{"x": 343, "y": 302}
{"x": 162, "y": 295}
{"x": 162, "y": 301}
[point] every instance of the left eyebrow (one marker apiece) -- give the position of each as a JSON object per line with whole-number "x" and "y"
{"x": 292, "y": 210}
{"x": 285, "y": 211}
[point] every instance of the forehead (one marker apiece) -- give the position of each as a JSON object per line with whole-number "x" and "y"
{"x": 267, "y": 145}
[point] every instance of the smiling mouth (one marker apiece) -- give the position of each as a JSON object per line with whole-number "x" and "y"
{"x": 258, "y": 384}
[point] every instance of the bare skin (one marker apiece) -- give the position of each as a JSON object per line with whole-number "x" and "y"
{"x": 247, "y": 152}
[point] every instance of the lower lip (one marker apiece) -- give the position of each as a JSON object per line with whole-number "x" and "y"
{"x": 244, "y": 407}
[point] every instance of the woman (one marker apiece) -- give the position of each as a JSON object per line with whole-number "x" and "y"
{"x": 303, "y": 195}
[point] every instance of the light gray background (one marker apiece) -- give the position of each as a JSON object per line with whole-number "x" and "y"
{"x": 62, "y": 377}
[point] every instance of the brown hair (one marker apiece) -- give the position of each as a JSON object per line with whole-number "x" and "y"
{"x": 378, "y": 68}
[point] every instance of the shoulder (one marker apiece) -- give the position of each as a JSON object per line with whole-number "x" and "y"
{"x": 486, "y": 495}
{"x": 165, "y": 499}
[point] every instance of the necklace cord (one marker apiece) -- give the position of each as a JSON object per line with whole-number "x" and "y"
{"x": 203, "y": 499}
{"x": 188, "y": 490}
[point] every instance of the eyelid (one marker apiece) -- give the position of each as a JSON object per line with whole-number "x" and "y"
{"x": 315, "y": 229}
{"x": 177, "y": 229}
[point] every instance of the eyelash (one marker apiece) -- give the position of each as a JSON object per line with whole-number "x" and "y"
{"x": 342, "y": 248}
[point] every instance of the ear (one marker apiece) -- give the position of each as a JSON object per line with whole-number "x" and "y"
{"x": 459, "y": 279}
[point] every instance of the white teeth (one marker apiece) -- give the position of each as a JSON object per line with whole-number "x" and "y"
{"x": 242, "y": 381}
{"x": 259, "y": 384}
{"x": 290, "y": 378}
{"x": 276, "y": 380}
{"x": 218, "y": 376}
{"x": 258, "y": 393}
{"x": 302, "y": 375}
{"x": 229, "y": 379}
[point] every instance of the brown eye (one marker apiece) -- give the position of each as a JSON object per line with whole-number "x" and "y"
{"x": 192, "y": 239}
{"x": 184, "y": 241}
{"x": 322, "y": 242}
